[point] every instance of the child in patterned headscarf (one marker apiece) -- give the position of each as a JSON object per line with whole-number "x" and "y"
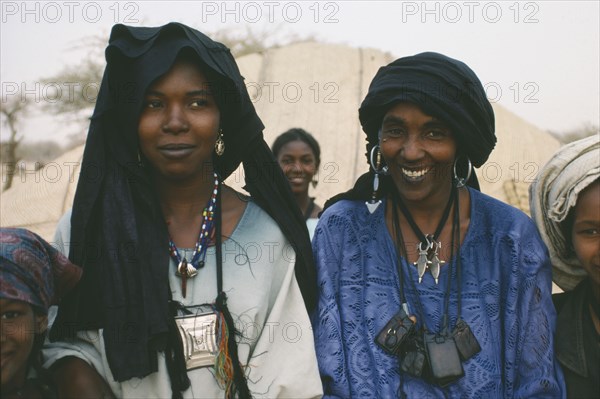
{"x": 33, "y": 276}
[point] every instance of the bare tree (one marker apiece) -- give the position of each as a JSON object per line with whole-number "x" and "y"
{"x": 249, "y": 41}
{"x": 79, "y": 84}
{"x": 11, "y": 111}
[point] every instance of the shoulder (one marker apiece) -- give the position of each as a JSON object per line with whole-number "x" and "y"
{"x": 62, "y": 235}
{"x": 345, "y": 210}
{"x": 256, "y": 224}
{"x": 560, "y": 300}
{"x": 498, "y": 217}
{"x": 348, "y": 221}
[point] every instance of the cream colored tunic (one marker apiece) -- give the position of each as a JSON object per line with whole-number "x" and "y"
{"x": 277, "y": 346}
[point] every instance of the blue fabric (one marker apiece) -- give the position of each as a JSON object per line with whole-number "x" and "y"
{"x": 506, "y": 299}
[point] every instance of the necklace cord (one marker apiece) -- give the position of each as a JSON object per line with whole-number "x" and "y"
{"x": 401, "y": 250}
{"x": 415, "y": 228}
{"x": 396, "y": 201}
{"x": 399, "y": 246}
{"x": 458, "y": 260}
{"x": 445, "y": 317}
{"x": 218, "y": 238}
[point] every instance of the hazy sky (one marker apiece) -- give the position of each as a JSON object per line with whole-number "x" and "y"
{"x": 540, "y": 59}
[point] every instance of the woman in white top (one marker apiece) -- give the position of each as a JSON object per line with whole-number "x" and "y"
{"x": 189, "y": 289}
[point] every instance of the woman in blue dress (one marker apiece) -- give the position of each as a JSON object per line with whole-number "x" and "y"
{"x": 428, "y": 287}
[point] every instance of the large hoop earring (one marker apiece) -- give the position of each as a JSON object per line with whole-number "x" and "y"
{"x": 462, "y": 181}
{"x": 375, "y": 160}
{"x": 220, "y": 144}
{"x": 376, "y": 163}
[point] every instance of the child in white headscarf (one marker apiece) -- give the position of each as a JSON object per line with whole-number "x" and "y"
{"x": 565, "y": 203}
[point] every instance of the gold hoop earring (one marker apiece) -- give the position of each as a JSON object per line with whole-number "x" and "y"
{"x": 220, "y": 144}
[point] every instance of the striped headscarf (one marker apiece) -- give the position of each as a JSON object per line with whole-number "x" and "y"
{"x": 553, "y": 196}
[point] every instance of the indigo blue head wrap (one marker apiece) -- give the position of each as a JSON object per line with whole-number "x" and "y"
{"x": 442, "y": 87}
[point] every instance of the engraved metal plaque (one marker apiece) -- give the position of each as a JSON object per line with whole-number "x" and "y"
{"x": 199, "y": 336}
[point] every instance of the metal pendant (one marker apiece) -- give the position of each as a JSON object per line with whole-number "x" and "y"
{"x": 187, "y": 268}
{"x": 436, "y": 263}
{"x": 372, "y": 205}
{"x": 422, "y": 262}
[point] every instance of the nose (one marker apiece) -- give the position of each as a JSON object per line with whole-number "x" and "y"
{"x": 175, "y": 121}
{"x": 411, "y": 149}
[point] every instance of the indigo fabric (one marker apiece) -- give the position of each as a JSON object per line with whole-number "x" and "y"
{"x": 506, "y": 300}
{"x": 442, "y": 87}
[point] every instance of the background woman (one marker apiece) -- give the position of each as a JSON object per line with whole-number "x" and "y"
{"x": 565, "y": 204}
{"x": 189, "y": 288}
{"x": 429, "y": 288}
{"x": 33, "y": 276}
{"x": 299, "y": 155}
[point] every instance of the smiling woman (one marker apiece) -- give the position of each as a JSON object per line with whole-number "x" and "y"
{"x": 178, "y": 295}
{"x": 299, "y": 155}
{"x": 428, "y": 287}
{"x": 179, "y": 122}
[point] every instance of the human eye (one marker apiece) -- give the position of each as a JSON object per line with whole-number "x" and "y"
{"x": 153, "y": 103}
{"x": 591, "y": 232}
{"x": 393, "y": 132}
{"x": 10, "y": 314}
{"x": 308, "y": 160}
{"x": 437, "y": 134}
{"x": 199, "y": 103}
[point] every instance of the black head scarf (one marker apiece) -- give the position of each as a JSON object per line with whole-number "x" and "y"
{"x": 118, "y": 233}
{"x": 442, "y": 87}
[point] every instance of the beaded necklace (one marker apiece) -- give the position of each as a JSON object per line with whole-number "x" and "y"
{"x": 189, "y": 269}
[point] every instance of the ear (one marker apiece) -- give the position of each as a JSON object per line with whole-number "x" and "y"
{"x": 41, "y": 323}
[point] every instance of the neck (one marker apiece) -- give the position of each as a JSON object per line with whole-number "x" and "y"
{"x": 428, "y": 213}
{"x": 303, "y": 201}
{"x": 184, "y": 199}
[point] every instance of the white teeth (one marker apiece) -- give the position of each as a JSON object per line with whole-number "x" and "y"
{"x": 414, "y": 173}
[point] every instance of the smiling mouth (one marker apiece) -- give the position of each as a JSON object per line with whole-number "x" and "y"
{"x": 296, "y": 179}
{"x": 415, "y": 174}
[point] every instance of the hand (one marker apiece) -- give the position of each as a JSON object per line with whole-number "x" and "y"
{"x": 75, "y": 378}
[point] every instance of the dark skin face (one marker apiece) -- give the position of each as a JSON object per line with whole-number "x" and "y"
{"x": 179, "y": 123}
{"x": 585, "y": 234}
{"x": 177, "y": 130}
{"x": 299, "y": 164}
{"x": 19, "y": 325}
{"x": 419, "y": 151}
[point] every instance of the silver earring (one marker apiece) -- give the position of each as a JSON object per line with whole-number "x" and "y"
{"x": 373, "y": 203}
{"x": 220, "y": 144}
{"x": 462, "y": 181}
